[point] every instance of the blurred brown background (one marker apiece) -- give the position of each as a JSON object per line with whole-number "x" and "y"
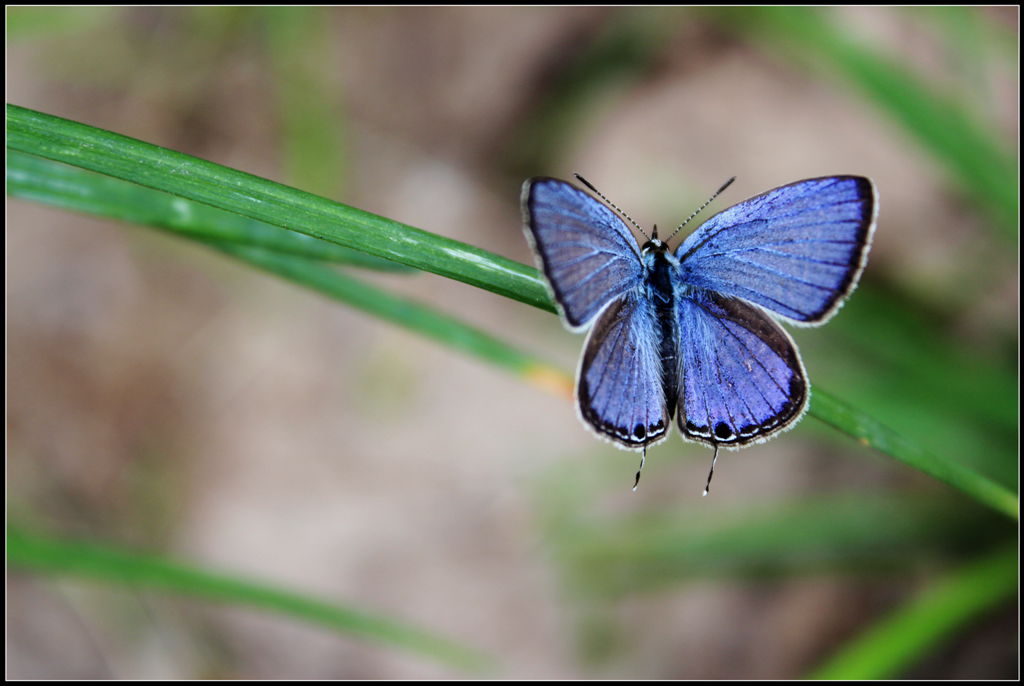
{"x": 168, "y": 400}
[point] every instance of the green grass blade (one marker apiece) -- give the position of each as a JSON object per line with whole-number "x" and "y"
{"x": 149, "y": 165}
{"x": 922, "y": 624}
{"x": 74, "y": 189}
{"x": 957, "y": 379}
{"x": 908, "y": 366}
{"x": 398, "y": 310}
{"x": 68, "y": 187}
{"x": 871, "y": 432}
{"x": 472, "y": 263}
{"x": 112, "y": 565}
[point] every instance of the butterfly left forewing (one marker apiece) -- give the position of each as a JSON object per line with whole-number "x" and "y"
{"x": 586, "y": 252}
{"x": 742, "y": 378}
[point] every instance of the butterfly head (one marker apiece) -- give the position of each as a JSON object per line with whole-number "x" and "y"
{"x": 655, "y": 244}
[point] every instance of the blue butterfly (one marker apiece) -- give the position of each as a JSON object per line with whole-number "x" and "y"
{"x": 689, "y": 333}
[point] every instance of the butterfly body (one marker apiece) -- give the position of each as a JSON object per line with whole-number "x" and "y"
{"x": 686, "y": 335}
{"x": 661, "y": 286}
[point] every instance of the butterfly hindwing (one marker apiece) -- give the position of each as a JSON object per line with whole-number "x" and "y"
{"x": 797, "y": 250}
{"x": 619, "y": 384}
{"x": 742, "y": 378}
{"x": 585, "y": 250}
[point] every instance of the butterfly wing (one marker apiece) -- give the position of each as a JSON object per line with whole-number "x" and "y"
{"x": 797, "y": 250}
{"x": 742, "y": 379}
{"x": 594, "y": 268}
{"x": 584, "y": 249}
{"x": 619, "y": 386}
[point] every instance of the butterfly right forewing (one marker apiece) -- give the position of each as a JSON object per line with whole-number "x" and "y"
{"x": 797, "y": 250}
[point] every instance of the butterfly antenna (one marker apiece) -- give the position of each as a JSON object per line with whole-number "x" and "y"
{"x": 610, "y": 203}
{"x": 697, "y": 211}
{"x": 643, "y": 458}
{"x": 707, "y": 486}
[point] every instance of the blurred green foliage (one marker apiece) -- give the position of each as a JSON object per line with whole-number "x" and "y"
{"x": 313, "y": 123}
{"x": 895, "y": 352}
{"x": 88, "y": 560}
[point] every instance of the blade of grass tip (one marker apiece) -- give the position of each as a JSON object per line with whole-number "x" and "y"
{"x": 872, "y": 433}
{"x": 72, "y": 188}
{"x": 840, "y": 416}
{"x": 896, "y": 642}
{"x": 228, "y": 189}
{"x": 79, "y": 190}
{"x": 112, "y": 565}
